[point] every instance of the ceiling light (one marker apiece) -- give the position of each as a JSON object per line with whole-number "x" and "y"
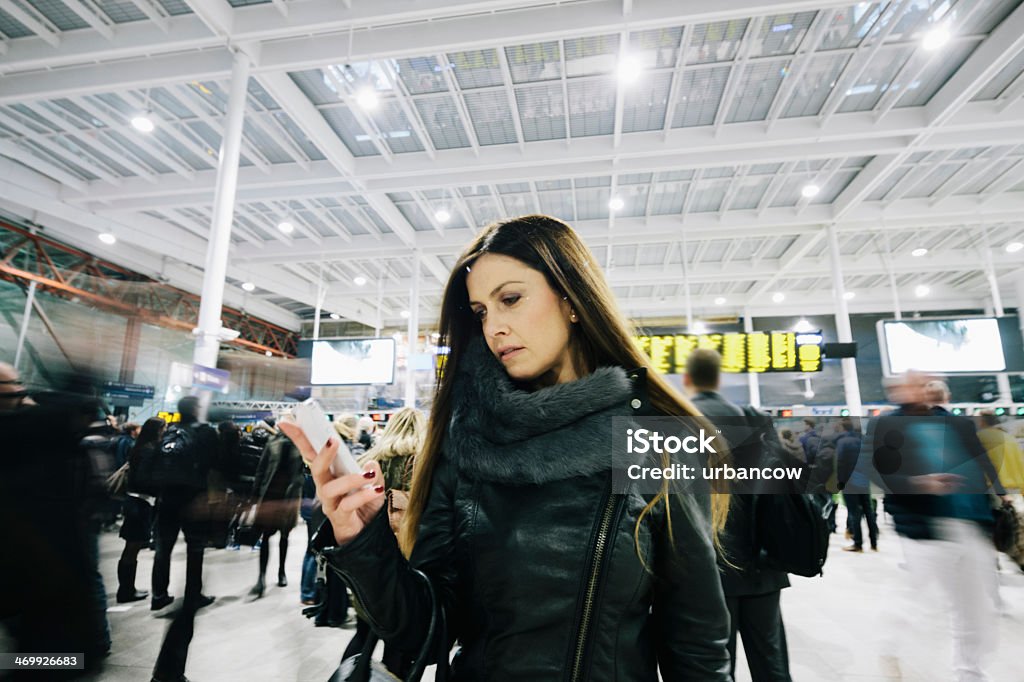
{"x": 917, "y": 253}
{"x": 143, "y": 123}
{"x": 335, "y": 316}
{"x": 442, "y": 216}
{"x": 922, "y": 290}
{"x": 778, "y": 297}
{"x": 616, "y": 204}
{"x": 404, "y": 314}
{"x": 360, "y": 281}
{"x": 269, "y": 354}
{"x": 1014, "y": 247}
{"x": 720, "y": 300}
{"x": 935, "y": 38}
{"x": 367, "y": 98}
{"x": 810, "y": 190}
{"x": 850, "y": 295}
{"x": 629, "y": 69}
{"x": 803, "y": 326}
{"x": 286, "y": 227}
{"x": 809, "y": 393}
{"x": 107, "y": 238}
{"x": 698, "y": 327}
{"x": 248, "y": 286}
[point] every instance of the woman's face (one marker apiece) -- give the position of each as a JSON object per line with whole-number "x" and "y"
{"x": 525, "y": 322}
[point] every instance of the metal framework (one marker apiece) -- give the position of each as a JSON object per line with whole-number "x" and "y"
{"x": 491, "y": 108}
{"x": 61, "y": 270}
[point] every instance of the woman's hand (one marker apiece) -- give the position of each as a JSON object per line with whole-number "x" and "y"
{"x": 347, "y": 501}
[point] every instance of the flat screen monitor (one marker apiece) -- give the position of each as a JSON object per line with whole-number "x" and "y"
{"x": 951, "y": 345}
{"x": 348, "y": 362}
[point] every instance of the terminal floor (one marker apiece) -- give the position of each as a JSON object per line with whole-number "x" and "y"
{"x": 838, "y": 626}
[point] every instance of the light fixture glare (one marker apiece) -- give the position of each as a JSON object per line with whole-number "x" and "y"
{"x": 107, "y": 238}
{"x": 935, "y": 38}
{"x": 286, "y": 227}
{"x": 248, "y": 286}
{"x": 810, "y": 190}
{"x": 616, "y": 204}
{"x": 143, "y": 123}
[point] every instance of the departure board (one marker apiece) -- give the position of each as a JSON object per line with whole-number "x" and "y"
{"x": 777, "y": 351}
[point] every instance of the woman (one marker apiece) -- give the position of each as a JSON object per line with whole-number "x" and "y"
{"x": 138, "y": 511}
{"x": 394, "y": 453}
{"x": 276, "y": 491}
{"x": 542, "y": 572}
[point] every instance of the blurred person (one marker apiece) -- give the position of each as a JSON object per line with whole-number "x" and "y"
{"x": 394, "y": 452}
{"x": 185, "y": 452}
{"x": 221, "y": 500}
{"x": 13, "y": 395}
{"x": 347, "y": 426}
{"x": 752, "y": 593}
{"x": 125, "y": 442}
{"x": 933, "y": 467}
{"x": 858, "y": 503}
{"x": 1003, "y": 451}
{"x": 810, "y": 440}
{"x": 367, "y": 432}
{"x": 137, "y": 528}
{"x": 53, "y": 599}
{"x": 276, "y": 491}
{"x": 308, "y": 591}
{"x": 511, "y": 515}
{"x": 792, "y": 445}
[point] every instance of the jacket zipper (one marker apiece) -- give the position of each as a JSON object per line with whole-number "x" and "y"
{"x": 600, "y": 546}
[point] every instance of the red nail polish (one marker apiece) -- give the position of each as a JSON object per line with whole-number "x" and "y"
{"x": 379, "y": 489}
{"x": 330, "y": 442}
{"x": 369, "y": 474}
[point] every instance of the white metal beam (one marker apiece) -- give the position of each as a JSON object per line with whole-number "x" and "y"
{"x": 308, "y": 37}
{"x": 33, "y": 21}
{"x": 91, "y": 17}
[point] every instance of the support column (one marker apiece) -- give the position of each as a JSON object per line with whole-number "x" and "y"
{"x": 321, "y": 293}
{"x": 212, "y": 301}
{"x": 413, "y": 332}
{"x": 753, "y": 380}
{"x": 129, "y": 358}
{"x": 25, "y": 319}
{"x": 851, "y": 386}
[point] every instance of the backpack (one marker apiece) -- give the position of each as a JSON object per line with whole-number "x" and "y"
{"x": 790, "y": 529}
{"x": 178, "y": 460}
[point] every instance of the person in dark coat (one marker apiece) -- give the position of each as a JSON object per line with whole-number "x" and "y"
{"x": 137, "y": 529}
{"x": 542, "y": 570}
{"x": 752, "y": 593}
{"x": 277, "y": 492}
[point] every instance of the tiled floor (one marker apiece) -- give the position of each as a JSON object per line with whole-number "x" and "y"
{"x": 838, "y": 626}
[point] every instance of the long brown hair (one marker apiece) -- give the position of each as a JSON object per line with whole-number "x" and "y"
{"x": 601, "y": 338}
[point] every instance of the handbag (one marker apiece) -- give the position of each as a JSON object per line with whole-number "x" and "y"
{"x": 362, "y": 667}
{"x": 246, "y": 532}
{"x": 117, "y": 482}
{"x": 1006, "y": 527}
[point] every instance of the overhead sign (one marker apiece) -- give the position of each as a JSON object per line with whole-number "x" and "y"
{"x": 757, "y": 352}
{"x": 127, "y": 395}
{"x": 210, "y": 378}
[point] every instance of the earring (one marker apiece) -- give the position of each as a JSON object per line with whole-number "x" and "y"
{"x": 573, "y": 317}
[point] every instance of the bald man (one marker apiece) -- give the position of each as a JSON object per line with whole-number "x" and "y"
{"x": 12, "y": 394}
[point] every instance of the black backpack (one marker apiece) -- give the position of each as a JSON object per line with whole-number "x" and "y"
{"x": 179, "y": 461}
{"x": 790, "y": 529}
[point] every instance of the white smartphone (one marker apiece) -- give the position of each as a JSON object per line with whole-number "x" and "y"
{"x": 313, "y": 421}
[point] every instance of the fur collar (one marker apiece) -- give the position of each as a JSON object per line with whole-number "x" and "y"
{"x": 504, "y": 434}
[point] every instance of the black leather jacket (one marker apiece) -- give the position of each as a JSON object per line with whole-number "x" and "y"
{"x": 542, "y": 581}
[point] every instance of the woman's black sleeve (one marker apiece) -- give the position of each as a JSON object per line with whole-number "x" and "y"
{"x": 691, "y": 619}
{"x": 395, "y": 600}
